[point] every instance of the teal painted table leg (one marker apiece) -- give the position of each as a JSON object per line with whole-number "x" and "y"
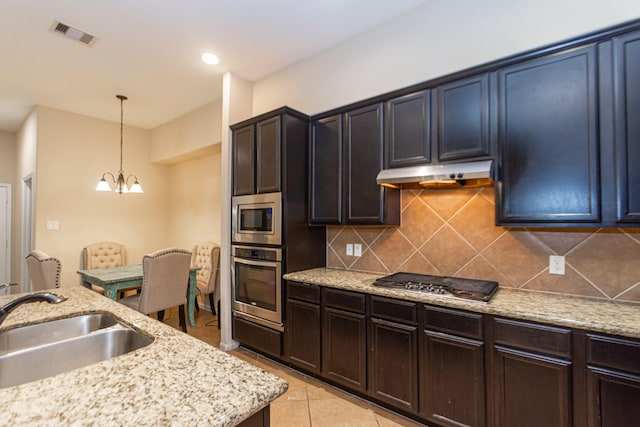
{"x": 111, "y": 292}
{"x": 191, "y": 297}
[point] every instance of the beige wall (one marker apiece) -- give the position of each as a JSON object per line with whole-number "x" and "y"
{"x": 8, "y": 158}
{"x": 434, "y": 39}
{"x": 452, "y": 233}
{"x": 73, "y": 152}
{"x": 195, "y": 201}
{"x": 189, "y": 136}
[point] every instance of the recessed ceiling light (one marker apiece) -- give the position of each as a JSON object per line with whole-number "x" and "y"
{"x": 210, "y": 58}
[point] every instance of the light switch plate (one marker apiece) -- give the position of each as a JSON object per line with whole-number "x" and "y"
{"x": 357, "y": 249}
{"x": 53, "y": 225}
{"x": 556, "y": 264}
{"x": 349, "y": 249}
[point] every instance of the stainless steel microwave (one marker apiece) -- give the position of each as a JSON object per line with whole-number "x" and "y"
{"x": 257, "y": 218}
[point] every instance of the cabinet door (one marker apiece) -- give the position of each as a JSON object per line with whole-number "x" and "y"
{"x": 627, "y": 126}
{"x": 325, "y": 186}
{"x": 393, "y": 364}
{"x": 344, "y": 358}
{"x": 548, "y": 142}
{"x": 463, "y": 119}
{"x": 452, "y": 388}
{"x": 365, "y": 199}
{"x": 243, "y": 161}
{"x": 268, "y": 139}
{"x": 532, "y": 390}
{"x": 302, "y": 335}
{"x": 612, "y": 398}
{"x": 408, "y": 129}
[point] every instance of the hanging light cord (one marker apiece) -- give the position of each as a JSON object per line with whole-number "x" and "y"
{"x": 122, "y": 99}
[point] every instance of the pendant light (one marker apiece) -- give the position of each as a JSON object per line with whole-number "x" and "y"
{"x": 120, "y": 182}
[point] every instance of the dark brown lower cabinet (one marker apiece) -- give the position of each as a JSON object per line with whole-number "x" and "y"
{"x": 393, "y": 364}
{"x": 262, "y": 418}
{"x": 533, "y": 375}
{"x": 452, "y": 380}
{"x": 344, "y": 338}
{"x": 613, "y": 381}
{"x": 302, "y": 331}
{"x": 532, "y": 390}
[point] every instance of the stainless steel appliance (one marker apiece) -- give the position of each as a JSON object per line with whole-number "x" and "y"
{"x": 257, "y": 219}
{"x": 477, "y": 290}
{"x": 256, "y": 278}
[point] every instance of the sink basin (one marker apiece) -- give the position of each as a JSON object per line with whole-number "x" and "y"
{"x": 47, "y": 359}
{"x": 54, "y": 330}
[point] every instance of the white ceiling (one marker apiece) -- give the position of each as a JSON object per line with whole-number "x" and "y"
{"x": 149, "y": 50}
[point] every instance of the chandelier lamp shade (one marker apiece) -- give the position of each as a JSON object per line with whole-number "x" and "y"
{"x": 121, "y": 183}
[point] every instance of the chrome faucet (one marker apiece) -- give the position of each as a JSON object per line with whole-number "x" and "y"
{"x": 12, "y": 305}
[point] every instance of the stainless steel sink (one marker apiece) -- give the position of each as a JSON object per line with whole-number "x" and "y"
{"x": 54, "y": 330}
{"x": 43, "y": 360}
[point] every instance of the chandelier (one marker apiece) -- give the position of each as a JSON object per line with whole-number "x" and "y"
{"x": 121, "y": 183}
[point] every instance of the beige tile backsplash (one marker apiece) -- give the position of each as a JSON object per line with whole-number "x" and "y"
{"x": 452, "y": 233}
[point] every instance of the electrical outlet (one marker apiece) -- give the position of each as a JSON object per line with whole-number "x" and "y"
{"x": 53, "y": 224}
{"x": 556, "y": 264}
{"x": 357, "y": 249}
{"x": 349, "y": 249}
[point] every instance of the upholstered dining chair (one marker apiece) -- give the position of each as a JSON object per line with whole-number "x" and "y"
{"x": 44, "y": 270}
{"x": 104, "y": 255}
{"x": 165, "y": 279}
{"x": 207, "y": 256}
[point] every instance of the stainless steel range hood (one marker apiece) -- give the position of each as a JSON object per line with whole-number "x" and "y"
{"x": 454, "y": 175}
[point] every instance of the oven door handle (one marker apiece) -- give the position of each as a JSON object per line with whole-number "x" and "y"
{"x": 256, "y": 263}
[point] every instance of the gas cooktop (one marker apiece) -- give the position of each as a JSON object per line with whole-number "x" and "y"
{"x": 477, "y": 290}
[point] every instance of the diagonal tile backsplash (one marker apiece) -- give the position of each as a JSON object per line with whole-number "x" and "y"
{"x": 452, "y": 233}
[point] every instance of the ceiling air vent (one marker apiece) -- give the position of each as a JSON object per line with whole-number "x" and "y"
{"x": 72, "y": 33}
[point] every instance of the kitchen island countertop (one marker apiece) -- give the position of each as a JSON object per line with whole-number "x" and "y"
{"x": 592, "y": 314}
{"x": 176, "y": 380}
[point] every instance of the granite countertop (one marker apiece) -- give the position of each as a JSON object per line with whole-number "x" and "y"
{"x": 176, "y": 380}
{"x": 618, "y": 318}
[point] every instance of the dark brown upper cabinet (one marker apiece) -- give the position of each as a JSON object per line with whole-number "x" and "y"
{"x": 548, "y": 140}
{"x": 463, "y": 119}
{"x": 325, "y": 167}
{"x": 408, "y": 130}
{"x": 345, "y": 156}
{"x": 268, "y": 160}
{"x": 626, "y": 69}
{"x": 367, "y": 203}
{"x": 243, "y": 153}
{"x": 261, "y": 145}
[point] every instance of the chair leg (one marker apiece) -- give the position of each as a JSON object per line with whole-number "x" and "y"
{"x": 161, "y": 315}
{"x": 212, "y": 304}
{"x": 183, "y": 321}
{"x": 218, "y": 314}
{"x": 196, "y": 301}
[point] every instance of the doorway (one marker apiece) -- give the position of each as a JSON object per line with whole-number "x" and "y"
{"x": 27, "y": 229}
{"x": 5, "y": 236}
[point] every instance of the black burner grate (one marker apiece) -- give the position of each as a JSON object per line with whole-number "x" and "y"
{"x": 478, "y": 290}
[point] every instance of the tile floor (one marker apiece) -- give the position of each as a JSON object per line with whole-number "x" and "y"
{"x": 308, "y": 402}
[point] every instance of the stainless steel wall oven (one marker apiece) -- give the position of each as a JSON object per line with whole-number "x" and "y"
{"x": 256, "y": 278}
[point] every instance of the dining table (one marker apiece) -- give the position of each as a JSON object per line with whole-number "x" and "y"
{"x": 127, "y": 277}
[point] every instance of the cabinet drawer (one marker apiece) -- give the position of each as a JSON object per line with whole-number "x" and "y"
{"x": 613, "y": 352}
{"x": 393, "y": 309}
{"x": 532, "y": 336}
{"x": 345, "y": 300}
{"x": 453, "y": 321}
{"x": 303, "y": 292}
